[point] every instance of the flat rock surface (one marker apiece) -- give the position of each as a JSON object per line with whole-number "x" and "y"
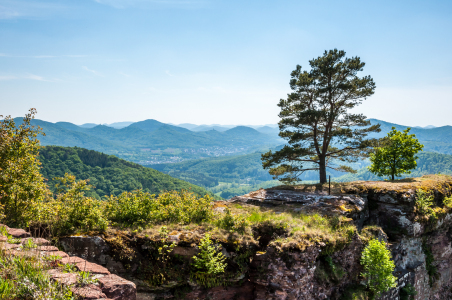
{"x": 48, "y": 248}
{"x": 57, "y": 253}
{"x": 72, "y": 260}
{"x": 92, "y": 268}
{"x": 19, "y": 233}
{"x": 63, "y": 278}
{"x": 36, "y": 241}
{"x": 89, "y": 292}
{"x": 116, "y": 287}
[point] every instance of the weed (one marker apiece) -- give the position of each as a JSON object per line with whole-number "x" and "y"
{"x": 85, "y": 278}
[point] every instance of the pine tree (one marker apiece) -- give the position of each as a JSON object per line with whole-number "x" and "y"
{"x": 317, "y": 122}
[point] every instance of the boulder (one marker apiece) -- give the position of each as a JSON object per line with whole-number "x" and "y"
{"x": 118, "y": 288}
{"x": 18, "y": 233}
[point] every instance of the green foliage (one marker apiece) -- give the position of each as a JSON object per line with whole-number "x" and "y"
{"x": 72, "y": 210}
{"x": 424, "y": 203}
{"x": 26, "y": 278}
{"x": 397, "y": 155}
{"x": 208, "y": 264}
{"x": 378, "y": 267}
{"x": 85, "y": 278}
{"x": 407, "y": 292}
{"x": 448, "y": 201}
{"x": 233, "y": 222}
{"x": 107, "y": 174}
{"x": 140, "y": 208}
{"x": 316, "y": 122}
{"x": 432, "y": 271}
{"x": 22, "y": 187}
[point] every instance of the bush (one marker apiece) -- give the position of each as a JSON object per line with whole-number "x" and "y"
{"x": 237, "y": 222}
{"x": 209, "y": 263}
{"x": 139, "y": 208}
{"x": 424, "y": 203}
{"x": 378, "y": 267}
{"x": 72, "y": 210}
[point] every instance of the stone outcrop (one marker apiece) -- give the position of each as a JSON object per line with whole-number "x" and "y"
{"x": 107, "y": 287}
{"x": 127, "y": 264}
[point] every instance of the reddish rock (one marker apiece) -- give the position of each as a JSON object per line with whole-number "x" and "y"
{"x": 57, "y": 253}
{"x": 8, "y": 246}
{"x": 118, "y": 288}
{"x": 36, "y": 241}
{"x": 72, "y": 260}
{"x": 63, "y": 278}
{"x": 3, "y": 238}
{"x": 92, "y": 268}
{"x": 89, "y": 292}
{"x": 19, "y": 233}
{"x": 48, "y": 248}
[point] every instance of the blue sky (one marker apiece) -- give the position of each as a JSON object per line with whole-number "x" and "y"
{"x": 225, "y": 62}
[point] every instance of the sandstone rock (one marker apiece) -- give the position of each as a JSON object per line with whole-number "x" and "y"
{"x": 115, "y": 267}
{"x": 185, "y": 251}
{"x": 89, "y": 292}
{"x": 72, "y": 260}
{"x": 91, "y": 248}
{"x": 36, "y": 241}
{"x": 63, "y": 278}
{"x": 57, "y": 253}
{"x": 18, "y": 233}
{"x": 48, "y": 248}
{"x": 118, "y": 288}
{"x": 92, "y": 268}
{"x": 3, "y": 238}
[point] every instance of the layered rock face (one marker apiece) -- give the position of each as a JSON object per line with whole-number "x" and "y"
{"x": 421, "y": 249}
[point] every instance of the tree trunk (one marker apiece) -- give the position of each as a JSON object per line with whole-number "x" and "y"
{"x": 392, "y": 176}
{"x": 322, "y": 169}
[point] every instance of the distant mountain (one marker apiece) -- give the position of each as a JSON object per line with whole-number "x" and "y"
{"x": 119, "y": 125}
{"x": 88, "y": 125}
{"x": 108, "y": 174}
{"x": 268, "y": 130}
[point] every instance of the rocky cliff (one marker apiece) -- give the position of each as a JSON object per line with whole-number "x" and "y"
{"x": 273, "y": 262}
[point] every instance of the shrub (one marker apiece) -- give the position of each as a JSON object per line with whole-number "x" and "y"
{"x": 236, "y": 222}
{"x": 378, "y": 267}
{"x": 208, "y": 264}
{"x": 72, "y": 210}
{"x": 140, "y": 208}
{"x": 424, "y": 202}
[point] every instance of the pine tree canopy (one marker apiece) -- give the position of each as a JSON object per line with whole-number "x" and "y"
{"x": 317, "y": 122}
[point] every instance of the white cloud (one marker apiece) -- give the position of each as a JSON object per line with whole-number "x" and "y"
{"x": 27, "y": 76}
{"x": 91, "y": 71}
{"x": 8, "y": 77}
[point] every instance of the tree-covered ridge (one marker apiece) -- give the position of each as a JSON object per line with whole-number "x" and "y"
{"x": 244, "y": 173}
{"x": 107, "y": 174}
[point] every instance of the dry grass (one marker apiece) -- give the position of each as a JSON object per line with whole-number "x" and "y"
{"x": 428, "y": 182}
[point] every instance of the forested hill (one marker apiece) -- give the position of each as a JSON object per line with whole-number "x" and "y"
{"x": 107, "y": 173}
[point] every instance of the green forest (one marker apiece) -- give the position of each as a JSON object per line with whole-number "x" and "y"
{"x": 107, "y": 174}
{"x": 229, "y": 176}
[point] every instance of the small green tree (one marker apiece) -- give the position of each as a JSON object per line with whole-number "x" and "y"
{"x": 208, "y": 263}
{"x": 396, "y": 155}
{"x": 22, "y": 187}
{"x": 378, "y": 267}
